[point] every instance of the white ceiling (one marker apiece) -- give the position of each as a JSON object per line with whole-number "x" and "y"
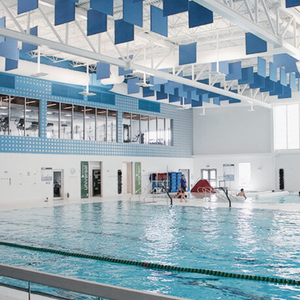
{"x": 222, "y": 40}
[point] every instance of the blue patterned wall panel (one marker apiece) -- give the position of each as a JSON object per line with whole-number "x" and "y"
{"x": 42, "y": 89}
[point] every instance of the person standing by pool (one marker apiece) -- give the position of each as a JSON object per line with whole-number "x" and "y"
{"x": 242, "y": 193}
{"x": 183, "y": 183}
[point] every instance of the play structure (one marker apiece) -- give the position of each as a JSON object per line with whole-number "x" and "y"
{"x": 203, "y": 186}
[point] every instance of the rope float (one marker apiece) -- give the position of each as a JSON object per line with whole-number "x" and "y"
{"x": 157, "y": 266}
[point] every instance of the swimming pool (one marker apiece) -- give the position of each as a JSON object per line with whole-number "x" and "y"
{"x": 243, "y": 241}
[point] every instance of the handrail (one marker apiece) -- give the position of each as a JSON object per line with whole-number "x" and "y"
{"x": 171, "y": 199}
{"x": 78, "y": 285}
{"x": 225, "y": 190}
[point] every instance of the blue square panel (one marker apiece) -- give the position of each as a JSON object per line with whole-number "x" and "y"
{"x": 124, "y": 32}
{"x": 187, "y": 54}
{"x": 172, "y": 7}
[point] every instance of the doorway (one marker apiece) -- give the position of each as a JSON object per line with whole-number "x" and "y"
{"x": 96, "y": 182}
{"x": 127, "y": 176}
{"x": 210, "y": 175}
{"x": 57, "y": 185}
{"x": 95, "y": 179}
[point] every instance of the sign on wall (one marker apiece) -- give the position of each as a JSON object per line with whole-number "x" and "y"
{"x": 46, "y": 174}
{"x": 138, "y": 178}
{"x": 228, "y": 170}
{"x": 84, "y": 179}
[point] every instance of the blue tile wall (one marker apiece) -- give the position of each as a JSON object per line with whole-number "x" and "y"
{"x": 41, "y": 89}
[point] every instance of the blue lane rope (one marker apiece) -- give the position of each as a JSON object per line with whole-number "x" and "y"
{"x": 157, "y": 266}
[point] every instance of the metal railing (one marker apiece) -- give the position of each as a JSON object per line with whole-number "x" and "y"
{"x": 79, "y": 286}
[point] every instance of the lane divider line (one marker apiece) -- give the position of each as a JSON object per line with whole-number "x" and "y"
{"x": 157, "y": 266}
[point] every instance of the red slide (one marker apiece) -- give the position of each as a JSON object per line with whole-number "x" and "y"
{"x": 202, "y": 186}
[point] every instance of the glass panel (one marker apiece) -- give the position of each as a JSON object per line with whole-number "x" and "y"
{"x": 280, "y": 127}
{"x": 66, "y": 121}
{"x": 78, "y": 122}
{"x": 169, "y": 130}
{"x": 101, "y": 125}
{"x": 213, "y": 174}
{"x": 32, "y": 117}
{"x": 152, "y": 130}
{"x": 136, "y": 132}
{"x": 4, "y": 117}
{"x": 111, "y": 126}
{"x": 52, "y": 120}
{"x": 144, "y": 129}
{"x": 160, "y": 131}
{"x": 205, "y": 174}
{"x": 126, "y": 127}
{"x": 293, "y": 126}
{"x": 17, "y": 116}
{"x": 213, "y": 183}
{"x": 90, "y": 124}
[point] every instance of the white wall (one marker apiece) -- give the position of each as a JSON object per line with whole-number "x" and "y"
{"x": 290, "y": 163}
{"x": 20, "y": 174}
{"x": 230, "y": 130}
{"x": 262, "y": 170}
{"x": 233, "y": 135}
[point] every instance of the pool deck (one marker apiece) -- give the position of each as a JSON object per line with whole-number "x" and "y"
{"x": 162, "y": 199}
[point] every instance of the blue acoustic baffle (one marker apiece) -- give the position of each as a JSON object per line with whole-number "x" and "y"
{"x": 132, "y": 87}
{"x": 147, "y": 92}
{"x": 159, "y": 23}
{"x": 11, "y": 64}
{"x": 106, "y": 6}
{"x": 9, "y": 49}
{"x": 247, "y": 76}
{"x": 160, "y": 95}
{"x": 287, "y": 93}
{"x": 272, "y": 72}
{"x": 293, "y": 81}
{"x": 235, "y": 71}
{"x": 26, "y": 5}
{"x": 124, "y": 32}
{"x": 283, "y": 77}
{"x": 29, "y": 47}
{"x": 199, "y": 15}
{"x": 96, "y": 22}
{"x": 2, "y": 25}
{"x": 269, "y": 85}
{"x": 292, "y": 3}
{"x": 172, "y": 7}
{"x": 261, "y": 67}
{"x": 255, "y": 44}
{"x": 103, "y": 70}
{"x": 286, "y": 61}
{"x": 278, "y": 89}
{"x": 259, "y": 82}
{"x": 187, "y": 54}
{"x": 224, "y": 67}
{"x": 133, "y": 12}
{"x": 64, "y": 11}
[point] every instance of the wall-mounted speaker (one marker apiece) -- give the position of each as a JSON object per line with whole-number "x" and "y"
{"x": 281, "y": 179}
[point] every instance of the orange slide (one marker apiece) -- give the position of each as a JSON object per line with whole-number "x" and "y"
{"x": 202, "y": 186}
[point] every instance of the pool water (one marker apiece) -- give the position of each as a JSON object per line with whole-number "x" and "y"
{"x": 243, "y": 241}
{"x": 285, "y": 199}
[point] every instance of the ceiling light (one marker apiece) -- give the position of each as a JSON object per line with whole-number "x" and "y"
{"x": 84, "y": 93}
{"x": 40, "y": 74}
{"x": 3, "y": 107}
